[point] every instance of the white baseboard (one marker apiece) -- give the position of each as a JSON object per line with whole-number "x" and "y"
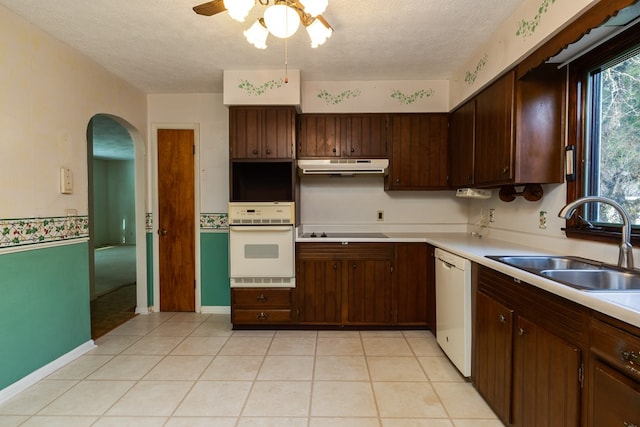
{"x": 26, "y": 382}
{"x": 215, "y": 309}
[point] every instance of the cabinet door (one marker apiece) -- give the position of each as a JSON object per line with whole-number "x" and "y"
{"x": 546, "y": 385}
{"x": 261, "y": 132}
{"x": 279, "y": 133}
{"x": 418, "y": 152}
{"x": 412, "y": 284}
{"x": 494, "y": 150}
{"x": 615, "y": 399}
{"x": 491, "y": 370}
{"x": 369, "y": 291}
{"x": 366, "y": 136}
{"x": 245, "y": 132}
{"x": 319, "y": 135}
{"x": 319, "y": 291}
{"x": 462, "y": 145}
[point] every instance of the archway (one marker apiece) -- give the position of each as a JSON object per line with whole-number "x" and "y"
{"x": 117, "y": 247}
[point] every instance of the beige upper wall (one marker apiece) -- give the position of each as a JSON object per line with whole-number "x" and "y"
{"x": 50, "y": 92}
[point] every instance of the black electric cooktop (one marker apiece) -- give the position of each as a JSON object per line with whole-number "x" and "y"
{"x": 348, "y": 235}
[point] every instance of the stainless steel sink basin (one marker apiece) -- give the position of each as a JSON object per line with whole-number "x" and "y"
{"x": 596, "y": 280}
{"x": 579, "y": 273}
{"x": 540, "y": 263}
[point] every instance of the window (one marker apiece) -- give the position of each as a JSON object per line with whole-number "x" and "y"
{"x": 605, "y": 129}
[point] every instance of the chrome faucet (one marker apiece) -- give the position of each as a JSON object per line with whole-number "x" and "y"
{"x": 625, "y": 257}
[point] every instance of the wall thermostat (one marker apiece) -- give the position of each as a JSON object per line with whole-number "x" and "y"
{"x": 66, "y": 181}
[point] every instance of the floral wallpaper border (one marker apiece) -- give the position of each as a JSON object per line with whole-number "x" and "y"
{"x": 27, "y": 231}
{"x": 208, "y": 221}
{"x": 214, "y": 221}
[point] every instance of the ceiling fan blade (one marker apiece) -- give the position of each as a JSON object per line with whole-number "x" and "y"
{"x": 210, "y": 8}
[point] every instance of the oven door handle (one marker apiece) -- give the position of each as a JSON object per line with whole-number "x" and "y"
{"x": 260, "y": 228}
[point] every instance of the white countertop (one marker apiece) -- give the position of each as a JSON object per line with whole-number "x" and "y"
{"x": 623, "y": 305}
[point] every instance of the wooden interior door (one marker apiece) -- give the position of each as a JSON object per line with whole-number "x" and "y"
{"x": 176, "y": 219}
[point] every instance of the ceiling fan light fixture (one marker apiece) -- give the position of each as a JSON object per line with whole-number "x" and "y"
{"x": 314, "y": 7}
{"x": 239, "y": 9}
{"x": 319, "y": 31}
{"x": 257, "y": 34}
{"x": 281, "y": 20}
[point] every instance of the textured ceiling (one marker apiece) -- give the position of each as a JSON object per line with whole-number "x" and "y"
{"x": 162, "y": 46}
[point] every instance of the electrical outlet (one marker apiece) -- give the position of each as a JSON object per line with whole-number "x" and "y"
{"x": 542, "y": 220}
{"x": 492, "y": 215}
{"x": 380, "y": 216}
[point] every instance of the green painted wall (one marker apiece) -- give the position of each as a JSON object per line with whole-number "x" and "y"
{"x": 114, "y": 202}
{"x": 44, "y": 307}
{"x": 214, "y": 262}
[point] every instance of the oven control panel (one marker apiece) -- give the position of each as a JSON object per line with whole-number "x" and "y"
{"x": 261, "y": 213}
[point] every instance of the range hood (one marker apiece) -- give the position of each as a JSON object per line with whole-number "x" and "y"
{"x": 346, "y": 167}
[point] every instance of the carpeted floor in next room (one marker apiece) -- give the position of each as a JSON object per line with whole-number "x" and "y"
{"x": 115, "y": 284}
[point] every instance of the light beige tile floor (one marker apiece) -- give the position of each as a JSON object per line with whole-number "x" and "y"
{"x": 187, "y": 369}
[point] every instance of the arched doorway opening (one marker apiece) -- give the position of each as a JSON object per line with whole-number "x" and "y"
{"x": 117, "y": 249}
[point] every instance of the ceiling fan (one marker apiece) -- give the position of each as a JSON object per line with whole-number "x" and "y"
{"x": 307, "y": 13}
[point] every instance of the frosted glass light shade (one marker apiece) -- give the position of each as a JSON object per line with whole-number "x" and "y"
{"x": 257, "y": 35}
{"x": 239, "y": 9}
{"x": 315, "y": 7}
{"x": 281, "y": 20}
{"x": 318, "y": 33}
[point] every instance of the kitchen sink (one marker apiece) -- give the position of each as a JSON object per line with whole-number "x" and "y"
{"x": 596, "y": 280}
{"x": 540, "y": 263}
{"x": 579, "y": 273}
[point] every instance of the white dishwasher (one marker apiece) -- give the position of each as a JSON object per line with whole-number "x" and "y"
{"x": 453, "y": 308}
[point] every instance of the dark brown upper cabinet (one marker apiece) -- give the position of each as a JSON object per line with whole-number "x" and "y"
{"x": 494, "y": 147}
{"x": 262, "y": 132}
{"x": 342, "y": 135}
{"x": 418, "y": 152}
{"x": 462, "y": 140}
{"x": 511, "y": 133}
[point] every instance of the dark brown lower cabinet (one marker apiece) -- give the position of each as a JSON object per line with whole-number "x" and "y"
{"x": 546, "y": 378}
{"x": 493, "y": 335}
{"x": 527, "y": 358}
{"x": 261, "y": 306}
{"x": 614, "y": 397}
{"x": 363, "y": 284}
{"x": 318, "y": 290}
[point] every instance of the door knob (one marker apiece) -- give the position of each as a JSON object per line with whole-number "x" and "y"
{"x": 162, "y": 232}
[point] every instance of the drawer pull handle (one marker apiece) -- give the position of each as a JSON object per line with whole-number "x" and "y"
{"x": 628, "y": 424}
{"x": 262, "y": 316}
{"x": 630, "y": 356}
{"x": 261, "y": 298}
{"x": 502, "y": 318}
{"x": 522, "y": 331}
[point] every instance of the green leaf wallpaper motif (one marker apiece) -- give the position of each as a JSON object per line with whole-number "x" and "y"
{"x": 527, "y": 28}
{"x": 410, "y": 99}
{"x": 253, "y": 90}
{"x": 339, "y": 98}
{"x": 471, "y": 76}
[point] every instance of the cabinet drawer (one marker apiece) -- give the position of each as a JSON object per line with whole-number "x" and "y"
{"x": 261, "y": 297}
{"x": 616, "y": 399}
{"x": 257, "y": 316}
{"x": 619, "y": 348}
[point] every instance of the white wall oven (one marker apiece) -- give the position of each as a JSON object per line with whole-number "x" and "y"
{"x": 261, "y": 244}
